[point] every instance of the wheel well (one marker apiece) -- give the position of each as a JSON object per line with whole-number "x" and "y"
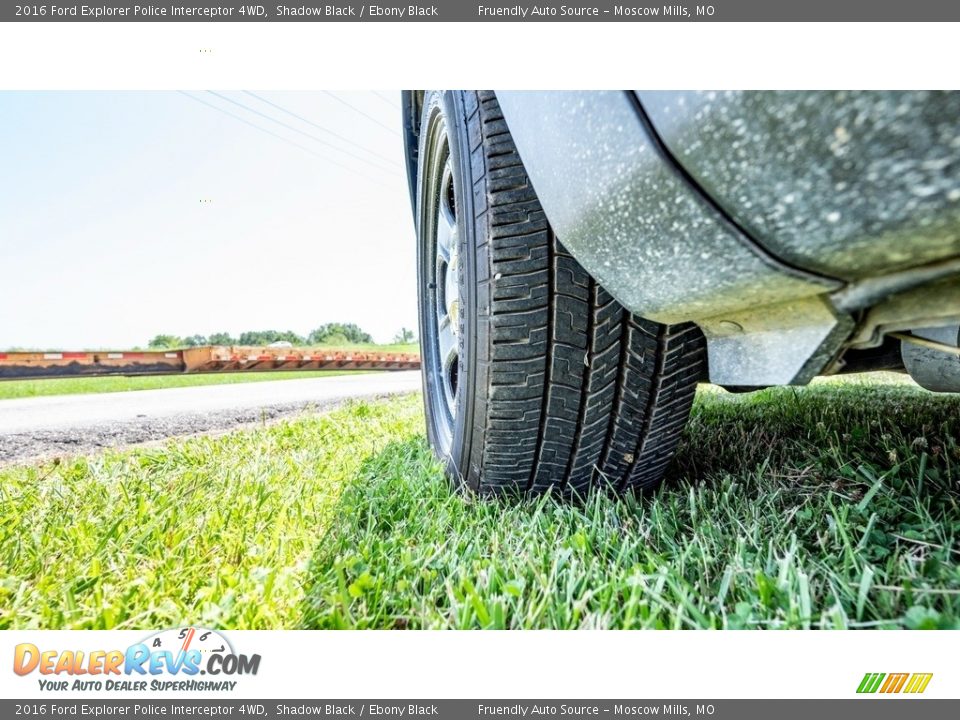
{"x": 412, "y": 103}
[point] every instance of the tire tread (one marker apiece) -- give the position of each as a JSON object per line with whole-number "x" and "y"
{"x": 578, "y": 392}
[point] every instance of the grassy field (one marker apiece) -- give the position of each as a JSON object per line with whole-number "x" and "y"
{"x": 413, "y": 348}
{"x": 834, "y": 506}
{"x": 84, "y": 385}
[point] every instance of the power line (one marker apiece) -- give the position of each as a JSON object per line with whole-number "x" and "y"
{"x": 356, "y": 109}
{"x": 263, "y": 129}
{"x": 320, "y": 127}
{"x": 388, "y": 100}
{"x": 282, "y": 138}
{"x": 298, "y": 130}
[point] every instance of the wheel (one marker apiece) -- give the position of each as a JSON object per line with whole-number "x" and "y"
{"x": 534, "y": 377}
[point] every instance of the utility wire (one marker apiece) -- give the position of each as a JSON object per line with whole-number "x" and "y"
{"x": 320, "y": 127}
{"x": 282, "y": 138}
{"x": 356, "y": 109}
{"x": 388, "y": 100}
{"x": 298, "y": 130}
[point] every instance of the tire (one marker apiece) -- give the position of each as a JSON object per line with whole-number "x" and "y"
{"x": 534, "y": 376}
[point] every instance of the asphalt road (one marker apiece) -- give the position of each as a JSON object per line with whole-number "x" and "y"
{"x": 45, "y": 426}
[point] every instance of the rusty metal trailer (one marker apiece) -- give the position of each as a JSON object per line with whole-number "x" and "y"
{"x": 207, "y": 359}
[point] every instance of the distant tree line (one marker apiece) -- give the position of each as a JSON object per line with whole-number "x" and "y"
{"x": 327, "y": 334}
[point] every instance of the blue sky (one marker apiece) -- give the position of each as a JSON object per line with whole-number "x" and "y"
{"x": 104, "y": 240}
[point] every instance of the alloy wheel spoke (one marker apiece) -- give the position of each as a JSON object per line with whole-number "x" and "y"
{"x": 446, "y": 236}
{"x": 447, "y": 340}
{"x": 445, "y": 290}
{"x": 448, "y": 205}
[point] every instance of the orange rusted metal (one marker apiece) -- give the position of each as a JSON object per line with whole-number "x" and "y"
{"x": 207, "y": 359}
{"x": 236, "y": 358}
{"x": 14, "y": 365}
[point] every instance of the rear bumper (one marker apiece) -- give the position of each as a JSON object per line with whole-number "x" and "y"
{"x": 845, "y": 184}
{"x": 631, "y": 216}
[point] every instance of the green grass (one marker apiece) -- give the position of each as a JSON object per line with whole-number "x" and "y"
{"x": 413, "y": 348}
{"x": 834, "y": 506}
{"x": 85, "y": 385}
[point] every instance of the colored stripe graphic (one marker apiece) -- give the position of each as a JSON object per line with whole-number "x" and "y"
{"x": 893, "y": 683}
{"x": 870, "y": 682}
{"x": 918, "y": 682}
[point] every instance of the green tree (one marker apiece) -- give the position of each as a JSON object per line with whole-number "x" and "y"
{"x": 335, "y": 340}
{"x": 165, "y": 342}
{"x": 331, "y": 333}
{"x": 404, "y": 337}
{"x": 265, "y": 337}
{"x": 222, "y": 338}
{"x": 195, "y": 340}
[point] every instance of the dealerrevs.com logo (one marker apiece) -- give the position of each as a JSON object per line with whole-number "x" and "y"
{"x": 170, "y": 660}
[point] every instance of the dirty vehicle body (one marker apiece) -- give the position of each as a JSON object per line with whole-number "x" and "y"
{"x": 585, "y": 258}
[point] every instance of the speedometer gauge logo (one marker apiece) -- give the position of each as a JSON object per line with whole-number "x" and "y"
{"x": 189, "y": 638}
